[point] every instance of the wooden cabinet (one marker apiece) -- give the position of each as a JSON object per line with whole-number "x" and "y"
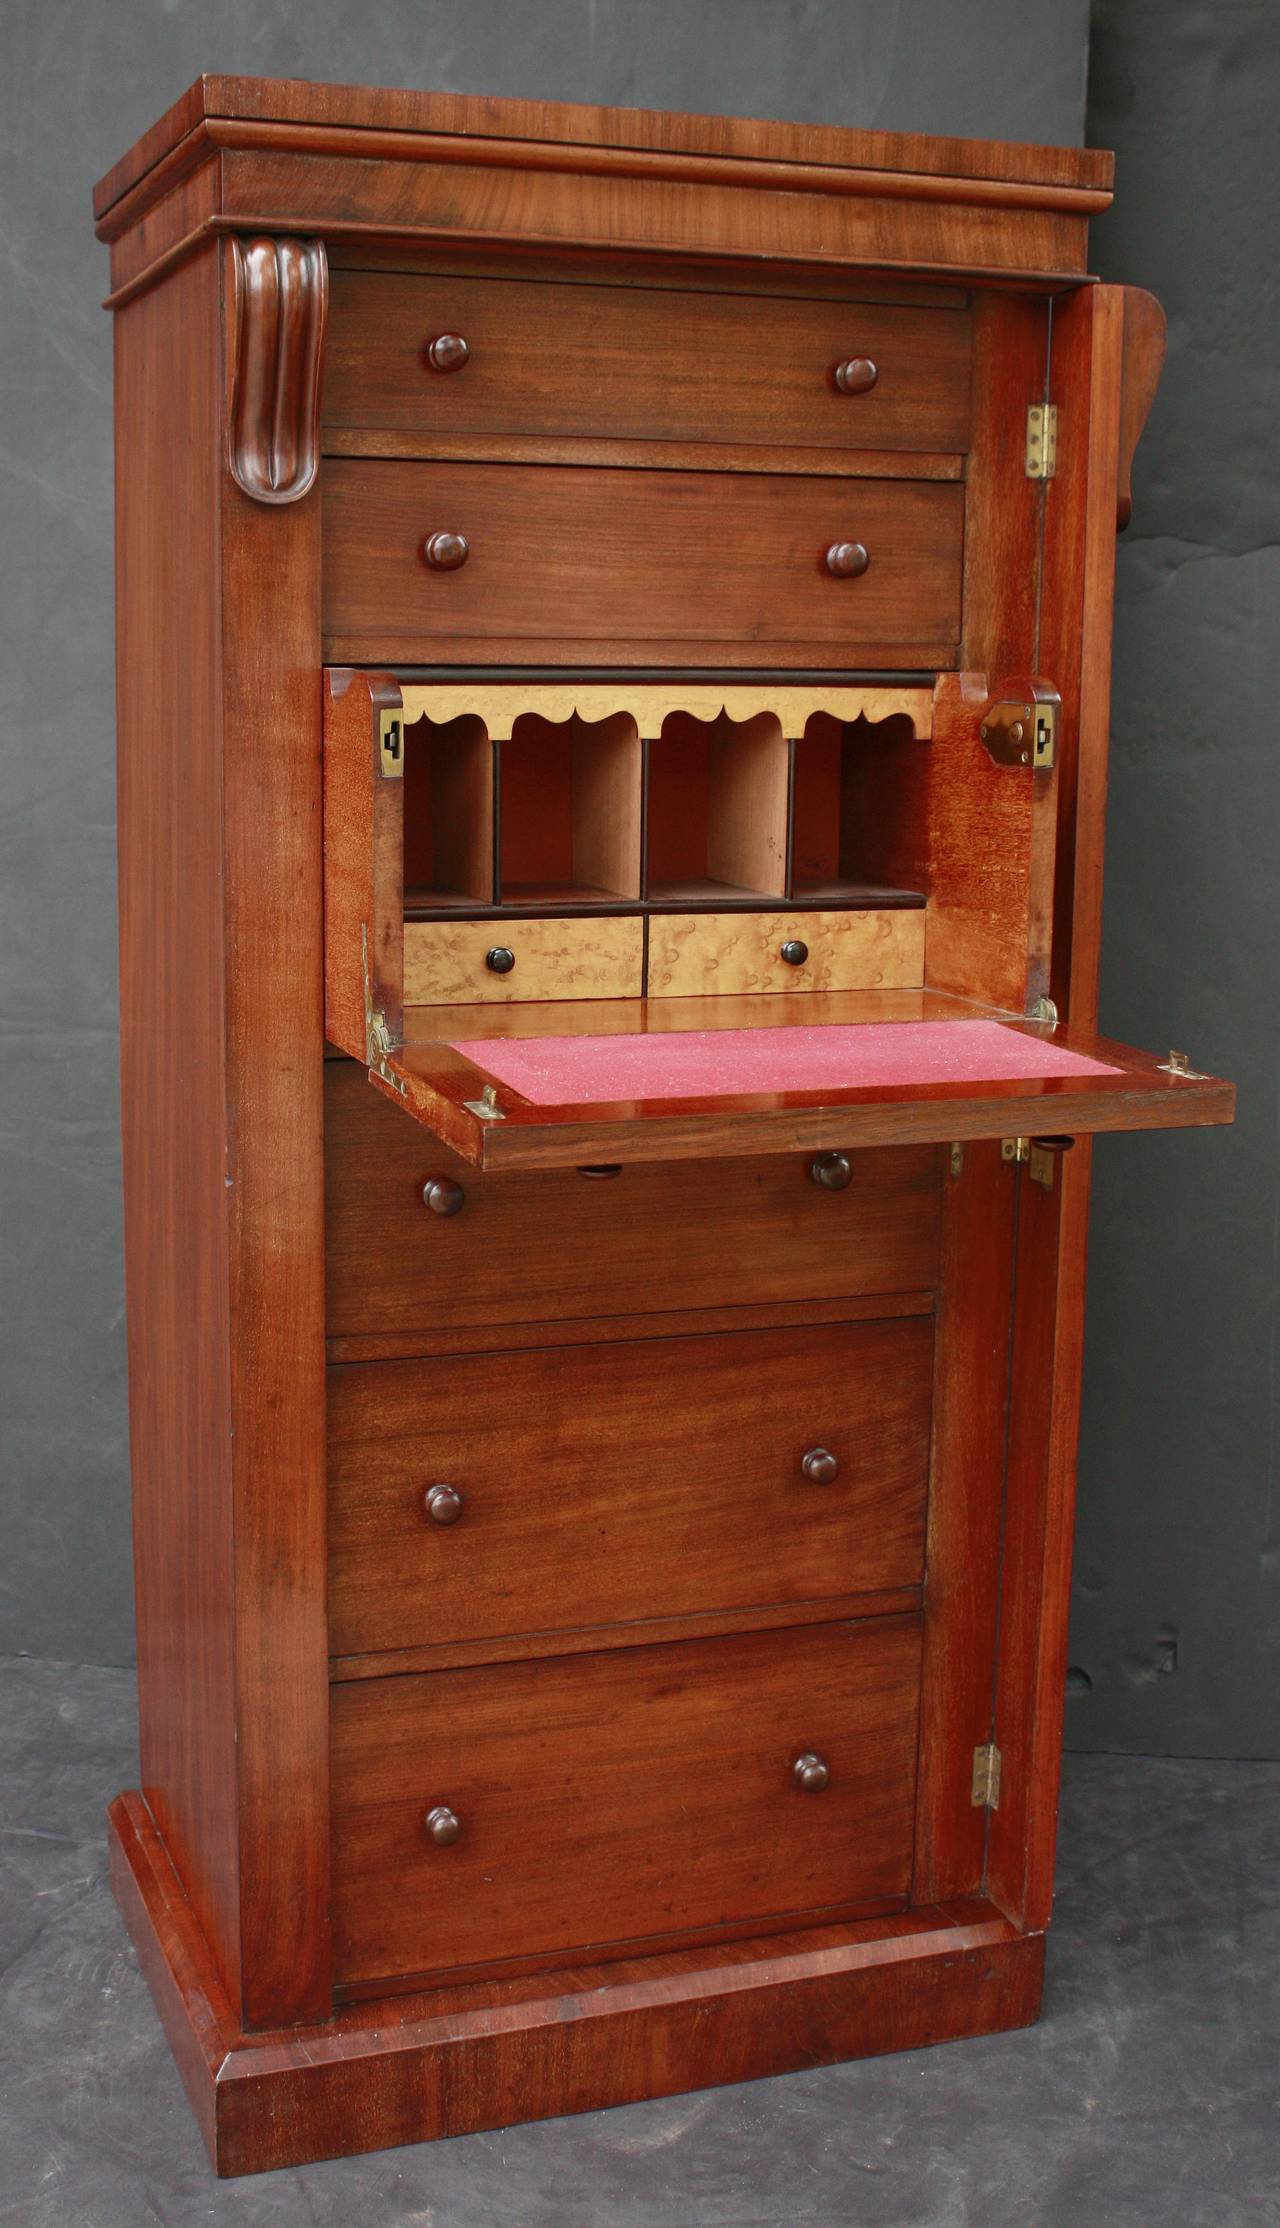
{"x": 614, "y": 620}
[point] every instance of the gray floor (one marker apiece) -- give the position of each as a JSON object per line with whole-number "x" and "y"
{"x": 1147, "y": 2094}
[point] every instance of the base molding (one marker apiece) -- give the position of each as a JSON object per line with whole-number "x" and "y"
{"x": 453, "y": 2061}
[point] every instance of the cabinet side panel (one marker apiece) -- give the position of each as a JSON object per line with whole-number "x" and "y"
{"x": 172, "y": 995}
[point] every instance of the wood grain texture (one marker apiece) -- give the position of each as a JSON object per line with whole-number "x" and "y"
{"x": 616, "y": 362}
{"x": 363, "y": 817}
{"x": 656, "y": 1238}
{"x": 450, "y": 812}
{"x": 276, "y": 312}
{"x": 457, "y": 2059}
{"x": 168, "y": 682}
{"x": 655, "y": 1797}
{"x": 693, "y": 954}
{"x": 963, "y": 1552}
{"x": 444, "y": 961}
{"x": 591, "y": 1496}
{"x": 636, "y": 557}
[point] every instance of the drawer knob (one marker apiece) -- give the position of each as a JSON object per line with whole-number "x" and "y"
{"x": 445, "y": 552}
{"x": 444, "y": 1825}
{"x": 855, "y": 375}
{"x": 443, "y": 1196}
{"x": 500, "y": 959}
{"x": 793, "y": 952}
{"x": 447, "y": 352}
{"x": 443, "y": 1503}
{"x": 832, "y": 1171}
{"x": 819, "y": 1465}
{"x": 844, "y": 560}
{"x": 812, "y": 1772}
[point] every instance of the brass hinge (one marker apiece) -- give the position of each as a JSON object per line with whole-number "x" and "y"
{"x": 1042, "y": 440}
{"x": 1039, "y": 1159}
{"x": 986, "y": 1777}
{"x": 379, "y": 1044}
{"x": 391, "y": 745}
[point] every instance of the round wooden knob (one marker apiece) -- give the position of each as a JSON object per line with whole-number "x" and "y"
{"x": 444, "y": 1825}
{"x": 445, "y": 552}
{"x": 443, "y": 1196}
{"x": 500, "y": 959}
{"x": 812, "y": 1772}
{"x": 819, "y": 1465}
{"x": 793, "y": 952}
{"x": 855, "y": 375}
{"x": 447, "y": 352}
{"x": 832, "y": 1171}
{"x": 844, "y": 560}
{"x": 443, "y": 1503}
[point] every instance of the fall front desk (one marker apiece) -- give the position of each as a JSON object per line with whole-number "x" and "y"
{"x": 614, "y": 631}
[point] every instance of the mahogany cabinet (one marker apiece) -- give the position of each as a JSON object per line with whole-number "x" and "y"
{"x": 614, "y": 627}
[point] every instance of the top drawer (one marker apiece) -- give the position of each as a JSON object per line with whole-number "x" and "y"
{"x": 635, "y": 363}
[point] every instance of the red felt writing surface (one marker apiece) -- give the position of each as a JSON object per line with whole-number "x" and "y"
{"x": 710, "y": 1063}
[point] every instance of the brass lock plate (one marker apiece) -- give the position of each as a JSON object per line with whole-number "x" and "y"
{"x": 1019, "y": 725}
{"x": 391, "y": 745}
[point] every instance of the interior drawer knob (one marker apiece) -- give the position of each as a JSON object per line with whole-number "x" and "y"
{"x": 845, "y": 560}
{"x": 449, "y": 352}
{"x": 819, "y": 1465}
{"x": 445, "y": 552}
{"x": 443, "y": 1503}
{"x": 832, "y": 1171}
{"x": 443, "y": 1196}
{"x": 855, "y": 375}
{"x": 444, "y": 1825}
{"x": 793, "y": 952}
{"x": 500, "y": 959}
{"x": 812, "y": 1772}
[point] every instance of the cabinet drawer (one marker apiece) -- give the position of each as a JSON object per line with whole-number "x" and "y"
{"x": 647, "y": 1478}
{"x": 693, "y": 954}
{"x": 621, "y": 363}
{"x": 560, "y": 554}
{"x": 446, "y": 962}
{"x": 554, "y": 1244}
{"x": 603, "y": 1800}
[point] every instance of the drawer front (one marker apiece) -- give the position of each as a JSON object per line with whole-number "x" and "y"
{"x": 605, "y": 1799}
{"x": 555, "y": 1244}
{"x": 620, "y": 363}
{"x": 534, "y": 1492}
{"x": 446, "y": 963}
{"x": 556, "y": 553}
{"x": 694, "y": 954}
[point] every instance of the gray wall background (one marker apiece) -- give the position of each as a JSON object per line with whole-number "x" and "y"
{"x": 1177, "y": 1425}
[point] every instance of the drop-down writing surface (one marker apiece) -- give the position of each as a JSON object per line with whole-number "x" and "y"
{"x": 602, "y": 1081}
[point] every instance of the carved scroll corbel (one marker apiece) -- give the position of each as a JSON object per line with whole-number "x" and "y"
{"x": 279, "y": 298}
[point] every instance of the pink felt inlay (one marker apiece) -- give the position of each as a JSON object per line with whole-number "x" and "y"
{"x": 711, "y": 1063}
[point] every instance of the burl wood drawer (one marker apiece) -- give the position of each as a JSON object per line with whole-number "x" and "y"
{"x": 535, "y": 1809}
{"x": 695, "y": 954}
{"x": 447, "y": 962}
{"x": 533, "y": 1492}
{"x": 619, "y": 363}
{"x": 551, "y": 553}
{"x": 528, "y": 1248}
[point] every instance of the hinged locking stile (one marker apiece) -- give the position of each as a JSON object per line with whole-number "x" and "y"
{"x": 1042, "y": 440}
{"x": 986, "y": 1777}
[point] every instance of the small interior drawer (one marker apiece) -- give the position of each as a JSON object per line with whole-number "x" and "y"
{"x": 453, "y": 559}
{"x": 589, "y": 1802}
{"x": 456, "y": 962}
{"x": 547, "y": 1245}
{"x": 619, "y": 363}
{"x": 697, "y": 954}
{"x": 535, "y": 1492}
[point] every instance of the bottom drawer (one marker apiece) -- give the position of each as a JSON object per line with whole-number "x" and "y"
{"x": 606, "y": 1800}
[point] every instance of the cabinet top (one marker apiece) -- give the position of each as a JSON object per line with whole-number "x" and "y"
{"x": 342, "y": 163}
{"x": 272, "y": 103}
